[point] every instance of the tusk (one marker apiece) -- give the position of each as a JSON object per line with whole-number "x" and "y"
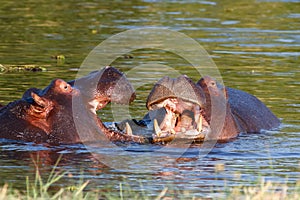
{"x": 199, "y": 124}
{"x": 173, "y": 131}
{"x": 156, "y": 128}
{"x": 128, "y": 129}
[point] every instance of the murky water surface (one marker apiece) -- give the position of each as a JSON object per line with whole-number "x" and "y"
{"x": 255, "y": 45}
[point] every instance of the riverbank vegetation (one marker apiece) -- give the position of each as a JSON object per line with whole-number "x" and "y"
{"x": 39, "y": 189}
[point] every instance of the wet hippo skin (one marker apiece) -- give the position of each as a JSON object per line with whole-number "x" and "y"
{"x": 180, "y": 107}
{"x": 249, "y": 113}
{"x": 46, "y": 116}
{"x": 224, "y": 120}
{"x": 34, "y": 119}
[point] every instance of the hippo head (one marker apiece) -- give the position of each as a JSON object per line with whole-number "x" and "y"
{"x": 51, "y": 109}
{"x": 44, "y": 104}
{"x": 214, "y": 93}
{"x": 175, "y": 107}
{"x": 41, "y": 116}
{"x": 217, "y": 110}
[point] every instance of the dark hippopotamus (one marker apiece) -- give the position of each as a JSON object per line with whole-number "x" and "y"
{"x": 47, "y": 116}
{"x": 207, "y": 110}
{"x": 248, "y": 114}
{"x": 217, "y": 111}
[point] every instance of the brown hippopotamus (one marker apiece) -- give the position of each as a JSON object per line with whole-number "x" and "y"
{"x": 204, "y": 110}
{"x": 174, "y": 106}
{"x": 251, "y": 115}
{"x": 47, "y": 116}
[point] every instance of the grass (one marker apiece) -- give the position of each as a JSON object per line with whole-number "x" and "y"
{"x": 39, "y": 189}
{"x": 264, "y": 191}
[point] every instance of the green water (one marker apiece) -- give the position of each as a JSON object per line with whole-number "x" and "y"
{"x": 255, "y": 45}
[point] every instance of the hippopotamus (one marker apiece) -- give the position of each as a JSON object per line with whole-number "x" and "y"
{"x": 47, "y": 116}
{"x": 174, "y": 106}
{"x": 203, "y": 110}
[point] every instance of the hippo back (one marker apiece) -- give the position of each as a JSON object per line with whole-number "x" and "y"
{"x": 250, "y": 112}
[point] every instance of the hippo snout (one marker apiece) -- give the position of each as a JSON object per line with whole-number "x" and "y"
{"x": 104, "y": 86}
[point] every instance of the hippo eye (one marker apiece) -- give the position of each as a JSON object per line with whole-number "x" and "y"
{"x": 212, "y": 83}
{"x": 66, "y": 87}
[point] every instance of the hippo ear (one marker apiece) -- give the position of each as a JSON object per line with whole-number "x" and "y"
{"x": 40, "y": 107}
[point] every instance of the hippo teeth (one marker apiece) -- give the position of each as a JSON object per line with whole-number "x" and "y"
{"x": 128, "y": 129}
{"x": 191, "y": 133}
{"x": 94, "y": 105}
{"x": 156, "y": 128}
{"x": 199, "y": 124}
{"x": 173, "y": 131}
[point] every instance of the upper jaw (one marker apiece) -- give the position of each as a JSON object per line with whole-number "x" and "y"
{"x": 175, "y": 88}
{"x": 104, "y": 86}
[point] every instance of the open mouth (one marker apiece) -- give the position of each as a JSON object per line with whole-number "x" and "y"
{"x": 178, "y": 118}
{"x": 175, "y": 110}
{"x": 112, "y": 133}
{"x": 172, "y": 118}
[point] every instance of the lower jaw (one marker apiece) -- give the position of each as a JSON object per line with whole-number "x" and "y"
{"x": 157, "y": 135}
{"x": 179, "y": 137}
{"x": 191, "y": 134}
